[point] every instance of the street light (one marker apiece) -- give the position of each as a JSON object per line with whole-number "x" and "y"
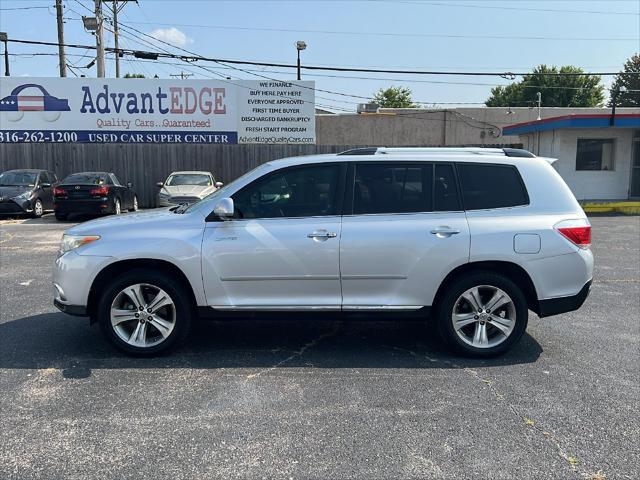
{"x": 90, "y": 23}
{"x": 300, "y": 45}
{"x": 614, "y": 98}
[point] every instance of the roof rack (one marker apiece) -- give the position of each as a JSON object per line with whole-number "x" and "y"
{"x": 507, "y": 152}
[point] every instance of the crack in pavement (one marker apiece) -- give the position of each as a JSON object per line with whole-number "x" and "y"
{"x": 297, "y": 353}
{"x": 562, "y": 453}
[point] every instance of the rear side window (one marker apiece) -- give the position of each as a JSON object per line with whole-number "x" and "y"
{"x": 491, "y": 186}
{"x": 392, "y": 188}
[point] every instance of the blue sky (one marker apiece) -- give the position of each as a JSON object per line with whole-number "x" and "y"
{"x": 406, "y": 34}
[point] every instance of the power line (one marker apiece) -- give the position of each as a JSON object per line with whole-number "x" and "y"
{"x": 22, "y": 8}
{"x": 389, "y": 34}
{"x": 193, "y": 57}
{"x": 520, "y": 9}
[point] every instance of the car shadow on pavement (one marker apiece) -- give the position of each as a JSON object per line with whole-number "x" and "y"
{"x": 56, "y": 340}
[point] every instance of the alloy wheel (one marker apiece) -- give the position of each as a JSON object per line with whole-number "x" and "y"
{"x": 135, "y": 204}
{"x": 143, "y": 315}
{"x": 484, "y": 316}
{"x": 37, "y": 208}
{"x": 117, "y": 207}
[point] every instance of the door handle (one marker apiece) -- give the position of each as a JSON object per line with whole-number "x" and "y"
{"x": 322, "y": 235}
{"x": 444, "y": 231}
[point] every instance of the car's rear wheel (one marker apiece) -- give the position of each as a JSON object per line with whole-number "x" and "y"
{"x": 61, "y": 216}
{"x": 117, "y": 209}
{"x": 38, "y": 209}
{"x": 482, "y": 314}
{"x": 143, "y": 313}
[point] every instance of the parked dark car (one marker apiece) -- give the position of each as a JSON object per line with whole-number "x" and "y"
{"x": 93, "y": 193}
{"x": 26, "y": 191}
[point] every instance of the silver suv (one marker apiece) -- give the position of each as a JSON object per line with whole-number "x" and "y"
{"x": 470, "y": 238}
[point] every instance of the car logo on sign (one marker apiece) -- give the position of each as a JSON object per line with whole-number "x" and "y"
{"x": 36, "y": 99}
{"x": 77, "y": 188}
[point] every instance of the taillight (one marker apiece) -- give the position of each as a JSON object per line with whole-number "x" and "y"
{"x": 100, "y": 191}
{"x": 577, "y": 232}
{"x": 59, "y": 192}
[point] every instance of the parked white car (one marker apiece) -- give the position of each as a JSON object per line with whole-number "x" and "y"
{"x": 186, "y": 187}
{"x": 472, "y": 238}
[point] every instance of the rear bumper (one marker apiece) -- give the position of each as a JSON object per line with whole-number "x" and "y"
{"x": 98, "y": 205}
{"x": 556, "y": 306}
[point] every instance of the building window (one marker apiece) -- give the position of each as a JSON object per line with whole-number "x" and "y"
{"x": 594, "y": 154}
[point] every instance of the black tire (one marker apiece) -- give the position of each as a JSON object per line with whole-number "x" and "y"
{"x": 178, "y": 294}
{"x": 61, "y": 216}
{"x": 444, "y": 310}
{"x": 38, "y": 209}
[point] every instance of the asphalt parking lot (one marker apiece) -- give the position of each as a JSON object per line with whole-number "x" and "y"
{"x": 318, "y": 399}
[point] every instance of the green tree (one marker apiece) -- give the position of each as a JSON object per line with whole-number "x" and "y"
{"x": 134, "y": 75}
{"x": 394, "y": 97}
{"x": 630, "y": 79}
{"x": 556, "y": 90}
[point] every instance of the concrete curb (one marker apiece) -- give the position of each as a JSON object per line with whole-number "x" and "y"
{"x": 627, "y": 208}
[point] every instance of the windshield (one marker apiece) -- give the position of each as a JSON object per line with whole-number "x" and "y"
{"x": 221, "y": 192}
{"x": 18, "y": 179}
{"x": 87, "y": 178}
{"x": 189, "y": 179}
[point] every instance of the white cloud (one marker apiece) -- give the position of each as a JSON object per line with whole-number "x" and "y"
{"x": 171, "y": 35}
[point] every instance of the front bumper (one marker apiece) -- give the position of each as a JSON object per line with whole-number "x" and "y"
{"x": 556, "y": 306}
{"x": 73, "y": 276}
{"x": 76, "y": 310}
{"x": 174, "y": 201}
{"x": 15, "y": 207}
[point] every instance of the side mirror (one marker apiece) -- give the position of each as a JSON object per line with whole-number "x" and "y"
{"x": 224, "y": 208}
{"x": 160, "y": 184}
{"x": 219, "y": 184}
{"x": 129, "y": 184}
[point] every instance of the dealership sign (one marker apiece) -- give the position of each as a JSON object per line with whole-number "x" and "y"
{"x": 99, "y": 110}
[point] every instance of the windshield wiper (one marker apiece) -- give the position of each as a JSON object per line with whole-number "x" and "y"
{"x": 181, "y": 208}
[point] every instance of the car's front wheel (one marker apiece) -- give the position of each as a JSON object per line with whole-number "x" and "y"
{"x": 482, "y": 314}
{"x": 143, "y": 313}
{"x": 134, "y": 204}
{"x": 38, "y": 209}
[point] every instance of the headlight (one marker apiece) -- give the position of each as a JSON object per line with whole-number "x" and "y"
{"x": 22, "y": 196}
{"x": 71, "y": 242}
{"x": 164, "y": 194}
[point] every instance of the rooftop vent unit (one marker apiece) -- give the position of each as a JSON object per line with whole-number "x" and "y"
{"x": 367, "y": 108}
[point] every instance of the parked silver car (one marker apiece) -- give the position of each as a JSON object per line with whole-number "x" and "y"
{"x": 186, "y": 187}
{"x": 472, "y": 238}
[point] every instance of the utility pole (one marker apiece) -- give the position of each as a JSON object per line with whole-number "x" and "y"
{"x": 61, "y": 56}
{"x": 115, "y": 36}
{"x": 4, "y": 38}
{"x": 182, "y": 75}
{"x": 99, "y": 39}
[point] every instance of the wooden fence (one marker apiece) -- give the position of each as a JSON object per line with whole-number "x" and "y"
{"x": 146, "y": 164}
